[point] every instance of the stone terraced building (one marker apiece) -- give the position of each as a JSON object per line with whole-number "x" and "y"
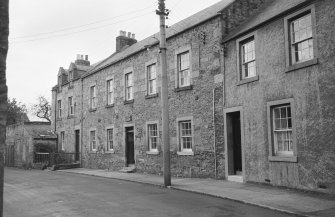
{"x": 247, "y": 102}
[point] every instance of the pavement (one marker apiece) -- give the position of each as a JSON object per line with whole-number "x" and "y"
{"x": 285, "y": 200}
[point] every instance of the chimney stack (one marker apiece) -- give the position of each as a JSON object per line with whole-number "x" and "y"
{"x": 124, "y": 40}
{"x": 81, "y": 61}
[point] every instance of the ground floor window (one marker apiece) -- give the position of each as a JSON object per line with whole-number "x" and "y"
{"x": 152, "y": 137}
{"x": 93, "y": 144}
{"x": 110, "y": 146}
{"x": 62, "y": 140}
{"x": 281, "y": 130}
{"x": 185, "y": 136}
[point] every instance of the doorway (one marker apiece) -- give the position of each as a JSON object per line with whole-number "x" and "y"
{"x": 77, "y": 144}
{"x": 129, "y": 140}
{"x": 234, "y": 146}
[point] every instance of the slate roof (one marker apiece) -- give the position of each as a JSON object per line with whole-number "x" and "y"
{"x": 38, "y": 133}
{"x": 268, "y": 12}
{"x": 83, "y": 68}
{"x": 175, "y": 29}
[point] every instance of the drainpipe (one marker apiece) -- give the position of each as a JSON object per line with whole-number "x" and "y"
{"x": 55, "y": 111}
{"x": 81, "y": 122}
{"x": 215, "y": 160}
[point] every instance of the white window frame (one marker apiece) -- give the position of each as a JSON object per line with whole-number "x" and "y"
{"x": 62, "y": 140}
{"x": 240, "y": 43}
{"x": 70, "y": 76}
{"x": 93, "y": 97}
{"x": 245, "y": 63}
{"x": 180, "y": 136}
{"x": 60, "y": 80}
{"x": 59, "y": 103}
{"x": 70, "y": 106}
{"x": 274, "y": 154}
{"x": 108, "y": 148}
{"x": 150, "y": 80}
{"x": 149, "y": 137}
{"x": 184, "y": 70}
{"x": 291, "y": 62}
{"x": 110, "y": 91}
{"x": 128, "y": 83}
{"x": 182, "y": 50}
{"x": 93, "y": 141}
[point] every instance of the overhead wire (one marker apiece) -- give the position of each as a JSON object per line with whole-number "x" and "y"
{"x": 84, "y": 30}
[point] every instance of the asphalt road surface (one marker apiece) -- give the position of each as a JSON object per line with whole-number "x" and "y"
{"x": 35, "y": 193}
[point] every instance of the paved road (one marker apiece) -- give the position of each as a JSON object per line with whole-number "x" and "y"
{"x": 37, "y": 193}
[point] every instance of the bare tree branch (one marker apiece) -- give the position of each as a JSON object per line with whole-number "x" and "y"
{"x": 42, "y": 109}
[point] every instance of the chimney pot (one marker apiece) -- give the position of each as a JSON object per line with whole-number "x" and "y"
{"x": 86, "y": 57}
{"x": 78, "y": 56}
{"x": 125, "y": 40}
{"x": 121, "y": 32}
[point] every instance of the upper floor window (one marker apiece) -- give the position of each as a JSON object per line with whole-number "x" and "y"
{"x": 110, "y": 92}
{"x": 70, "y": 75}
{"x": 129, "y": 86}
{"x": 248, "y": 59}
{"x": 300, "y": 38}
{"x": 70, "y": 106}
{"x": 60, "y": 80}
{"x": 151, "y": 75}
{"x": 93, "y": 97}
{"x": 59, "y": 102}
{"x": 184, "y": 75}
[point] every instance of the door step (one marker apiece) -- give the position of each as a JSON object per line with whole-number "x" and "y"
{"x": 129, "y": 169}
{"x": 235, "y": 178}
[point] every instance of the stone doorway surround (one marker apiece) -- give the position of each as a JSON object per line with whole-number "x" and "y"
{"x": 237, "y": 176}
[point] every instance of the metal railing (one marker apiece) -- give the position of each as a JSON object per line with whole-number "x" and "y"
{"x": 61, "y": 158}
{"x": 43, "y": 158}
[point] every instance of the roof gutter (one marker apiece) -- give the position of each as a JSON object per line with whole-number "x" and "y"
{"x": 154, "y": 44}
{"x": 257, "y": 26}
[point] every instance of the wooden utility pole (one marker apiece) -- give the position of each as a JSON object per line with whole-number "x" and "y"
{"x": 4, "y": 31}
{"x": 165, "y": 101}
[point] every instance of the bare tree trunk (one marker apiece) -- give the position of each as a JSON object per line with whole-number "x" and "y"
{"x": 4, "y": 31}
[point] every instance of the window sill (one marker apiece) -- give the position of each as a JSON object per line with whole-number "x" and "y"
{"x": 128, "y": 101}
{"x": 305, "y": 64}
{"x": 92, "y": 110}
{"x": 70, "y": 116}
{"x": 292, "y": 159}
{"x": 110, "y": 152}
{"x": 152, "y": 152}
{"x": 151, "y": 96}
{"x": 185, "y": 153}
{"x": 178, "y": 89}
{"x": 59, "y": 119}
{"x": 248, "y": 80}
{"x": 109, "y": 106}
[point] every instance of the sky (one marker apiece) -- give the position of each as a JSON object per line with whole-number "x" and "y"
{"x": 48, "y": 34}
